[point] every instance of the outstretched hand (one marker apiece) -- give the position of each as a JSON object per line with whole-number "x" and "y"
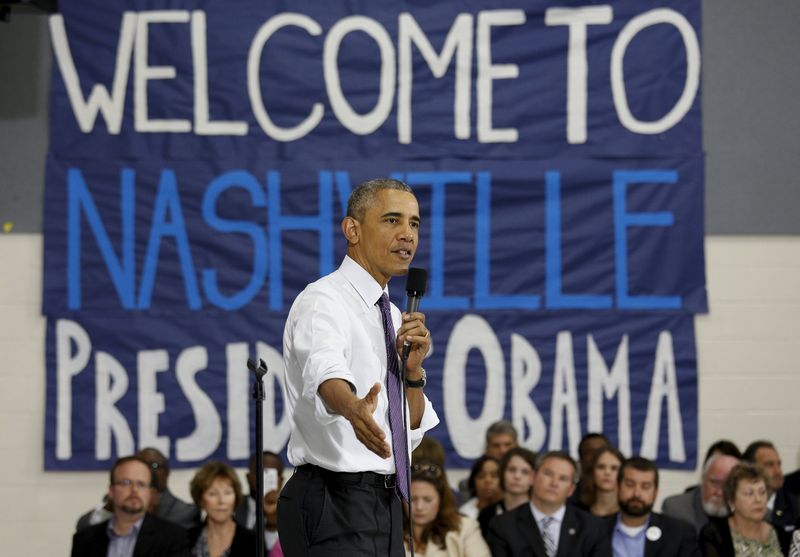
{"x": 359, "y": 414}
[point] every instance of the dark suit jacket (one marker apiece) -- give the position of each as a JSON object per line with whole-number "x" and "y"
{"x": 243, "y": 545}
{"x": 716, "y": 540}
{"x": 785, "y": 517}
{"x": 677, "y": 537}
{"x": 157, "y": 538}
{"x": 516, "y": 534}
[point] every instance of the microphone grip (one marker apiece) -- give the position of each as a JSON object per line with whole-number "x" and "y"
{"x": 411, "y": 306}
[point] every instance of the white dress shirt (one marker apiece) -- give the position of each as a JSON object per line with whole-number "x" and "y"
{"x": 555, "y": 525}
{"x": 334, "y": 331}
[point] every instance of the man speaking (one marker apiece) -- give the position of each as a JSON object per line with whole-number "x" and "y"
{"x": 343, "y": 388}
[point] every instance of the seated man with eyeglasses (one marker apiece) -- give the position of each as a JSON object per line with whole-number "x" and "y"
{"x": 163, "y": 503}
{"x": 131, "y": 531}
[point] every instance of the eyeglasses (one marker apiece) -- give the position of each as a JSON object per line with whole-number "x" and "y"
{"x": 427, "y": 469}
{"x": 138, "y": 484}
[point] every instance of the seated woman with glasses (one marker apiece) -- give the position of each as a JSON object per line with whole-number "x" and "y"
{"x": 216, "y": 490}
{"x": 439, "y": 530}
{"x": 744, "y": 532}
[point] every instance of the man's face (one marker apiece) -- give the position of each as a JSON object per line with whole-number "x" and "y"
{"x": 713, "y": 481}
{"x": 553, "y": 483}
{"x": 499, "y": 444}
{"x": 385, "y": 240}
{"x": 131, "y": 491}
{"x": 637, "y": 492}
{"x": 591, "y": 447}
{"x": 770, "y": 461}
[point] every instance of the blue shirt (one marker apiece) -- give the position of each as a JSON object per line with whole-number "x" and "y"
{"x": 122, "y": 546}
{"x": 627, "y": 541}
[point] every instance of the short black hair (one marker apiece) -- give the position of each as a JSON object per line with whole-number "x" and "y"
{"x": 723, "y": 446}
{"x": 477, "y": 466}
{"x": 637, "y": 463}
{"x": 276, "y": 456}
{"x": 749, "y": 454}
{"x": 364, "y": 193}
{"x": 589, "y": 437}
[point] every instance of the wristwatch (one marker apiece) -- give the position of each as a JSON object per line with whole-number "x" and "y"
{"x": 419, "y": 383}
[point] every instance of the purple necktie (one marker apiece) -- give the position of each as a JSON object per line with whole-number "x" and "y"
{"x": 395, "y": 396}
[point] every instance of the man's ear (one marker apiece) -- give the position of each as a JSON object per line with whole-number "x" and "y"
{"x": 351, "y": 230}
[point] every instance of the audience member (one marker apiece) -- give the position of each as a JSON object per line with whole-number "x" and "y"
{"x": 169, "y": 507}
{"x": 590, "y": 444}
{"x": 599, "y": 495}
{"x": 216, "y": 490}
{"x": 706, "y": 500}
{"x": 723, "y": 446}
{"x": 782, "y": 507}
{"x": 500, "y": 437}
{"x": 245, "y": 513}
{"x": 636, "y": 530}
{"x": 483, "y": 485}
{"x": 131, "y": 531}
{"x": 438, "y": 528}
{"x": 547, "y": 526}
{"x": 163, "y": 503}
{"x": 745, "y": 532}
{"x": 516, "y": 481}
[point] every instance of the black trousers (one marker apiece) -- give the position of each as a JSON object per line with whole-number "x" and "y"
{"x": 329, "y": 514}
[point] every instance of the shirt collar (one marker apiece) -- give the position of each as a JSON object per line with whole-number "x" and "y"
{"x": 364, "y": 284}
{"x": 558, "y": 516}
{"x": 134, "y": 531}
{"x": 630, "y": 531}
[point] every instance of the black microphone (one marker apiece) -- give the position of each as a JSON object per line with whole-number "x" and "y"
{"x": 416, "y": 283}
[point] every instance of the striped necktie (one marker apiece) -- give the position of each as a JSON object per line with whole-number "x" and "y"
{"x": 547, "y": 537}
{"x": 395, "y": 396}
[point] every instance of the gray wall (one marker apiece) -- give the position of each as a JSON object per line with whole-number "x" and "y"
{"x": 751, "y": 117}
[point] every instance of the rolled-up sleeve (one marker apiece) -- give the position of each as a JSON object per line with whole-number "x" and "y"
{"x": 321, "y": 341}
{"x": 430, "y": 419}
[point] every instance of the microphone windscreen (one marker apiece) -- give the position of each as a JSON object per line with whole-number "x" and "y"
{"x": 417, "y": 281}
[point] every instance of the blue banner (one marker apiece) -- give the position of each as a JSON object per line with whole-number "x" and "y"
{"x": 201, "y": 158}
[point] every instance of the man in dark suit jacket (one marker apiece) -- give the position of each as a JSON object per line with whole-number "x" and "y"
{"x": 636, "y": 531}
{"x": 547, "y": 527}
{"x": 131, "y": 531}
